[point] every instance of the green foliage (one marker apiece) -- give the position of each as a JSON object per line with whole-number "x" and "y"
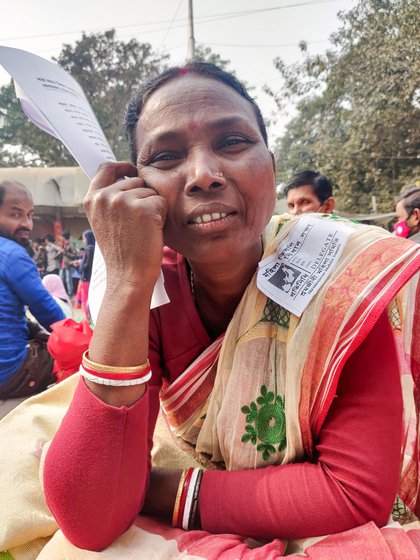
{"x": 358, "y": 106}
{"x": 204, "y": 53}
{"x": 22, "y": 143}
{"x": 109, "y": 71}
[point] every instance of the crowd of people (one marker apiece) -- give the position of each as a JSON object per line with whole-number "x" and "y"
{"x": 288, "y": 426}
{"x": 63, "y": 258}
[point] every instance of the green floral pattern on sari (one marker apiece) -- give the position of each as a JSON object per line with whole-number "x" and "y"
{"x": 266, "y": 423}
{"x": 402, "y": 513}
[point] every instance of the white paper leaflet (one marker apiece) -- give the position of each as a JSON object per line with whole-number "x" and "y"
{"x": 56, "y": 104}
{"x": 303, "y": 261}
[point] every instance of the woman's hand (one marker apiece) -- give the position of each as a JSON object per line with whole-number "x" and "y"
{"x": 127, "y": 218}
{"x": 161, "y": 495}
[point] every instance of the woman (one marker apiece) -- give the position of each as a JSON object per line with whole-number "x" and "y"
{"x": 202, "y": 182}
{"x": 54, "y": 285}
{"x": 86, "y": 270}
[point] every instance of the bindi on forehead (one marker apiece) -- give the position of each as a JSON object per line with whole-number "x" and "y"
{"x": 192, "y": 125}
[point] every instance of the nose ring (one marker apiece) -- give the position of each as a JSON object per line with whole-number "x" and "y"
{"x": 219, "y": 174}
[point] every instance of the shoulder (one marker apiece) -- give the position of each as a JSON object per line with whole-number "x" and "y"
{"x": 14, "y": 260}
{"x": 13, "y": 250}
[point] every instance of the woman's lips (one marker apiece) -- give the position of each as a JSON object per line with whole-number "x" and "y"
{"x": 205, "y": 218}
{"x": 214, "y": 222}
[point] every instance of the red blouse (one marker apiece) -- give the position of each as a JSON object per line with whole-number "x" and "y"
{"x": 96, "y": 472}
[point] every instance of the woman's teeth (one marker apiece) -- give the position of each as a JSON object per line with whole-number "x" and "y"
{"x": 205, "y": 218}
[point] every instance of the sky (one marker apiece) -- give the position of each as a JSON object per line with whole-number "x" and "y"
{"x": 248, "y": 33}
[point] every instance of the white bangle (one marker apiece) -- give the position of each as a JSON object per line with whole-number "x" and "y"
{"x": 189, "y": 499}
{"x": 114, "y": 382}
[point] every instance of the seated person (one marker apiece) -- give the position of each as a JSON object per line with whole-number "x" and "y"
{"x": 25, "y": 364}
{"x": 297, "y": 420}
{"x": 55, "y": 286}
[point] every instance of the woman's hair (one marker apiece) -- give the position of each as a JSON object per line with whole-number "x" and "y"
{"x": 90, "y": 238}
{"x": 207, "y": 69}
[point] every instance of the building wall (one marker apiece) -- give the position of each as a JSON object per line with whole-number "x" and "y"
{"x": 47, "y": 222}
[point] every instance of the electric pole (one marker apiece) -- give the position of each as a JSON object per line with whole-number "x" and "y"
{"x": 191, "y": 40}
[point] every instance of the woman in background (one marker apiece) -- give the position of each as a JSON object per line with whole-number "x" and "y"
{"x": 54, "y": 285}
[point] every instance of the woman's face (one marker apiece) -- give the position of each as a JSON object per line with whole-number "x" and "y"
{"x": 200, "y": 147}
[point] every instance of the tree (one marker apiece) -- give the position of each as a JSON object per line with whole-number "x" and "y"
{"x": 358, "y": 106}
{"x": 204, "y": 53}
{"x": 109, "y": 71}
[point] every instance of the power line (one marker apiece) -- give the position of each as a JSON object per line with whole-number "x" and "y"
{"x": 205, "y": 43}
{"x": 266, "y": 46}
{"x": 170, "y": 25}
{"x": 198, "y": 20}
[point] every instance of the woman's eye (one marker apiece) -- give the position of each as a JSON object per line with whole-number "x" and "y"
{"x": 164, "y": 156}
{"x": 233, "y": 141}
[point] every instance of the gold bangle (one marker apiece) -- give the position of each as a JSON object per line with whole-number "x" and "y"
{"x": 178, "y": 498}
{"x": 114, "y": 369}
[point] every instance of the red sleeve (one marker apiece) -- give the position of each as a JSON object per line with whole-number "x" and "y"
{"x": 355, "y": 477}
{"x": 95, "y": 473}
{"x": 97, "y": 468}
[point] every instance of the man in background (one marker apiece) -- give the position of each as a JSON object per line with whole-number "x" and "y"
{"x": 69, "y": 257}
{"x": 54, "y": 253}
{"x": 25, "y": 364}
{"x": 309, "y": 191}
{"x": 408, "y": 215}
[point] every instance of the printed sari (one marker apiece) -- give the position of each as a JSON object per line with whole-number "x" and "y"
{"x": 274, "y": 418}
{"x": 404, "y": 314}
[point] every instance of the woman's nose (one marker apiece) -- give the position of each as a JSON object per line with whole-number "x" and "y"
{"x": 204, "y": 174}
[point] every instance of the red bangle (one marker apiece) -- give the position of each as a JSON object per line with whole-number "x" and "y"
{"x": 86, "y": 361}
{"x": 175, "y": 513}
{"x": 183, "y": 498}
{"x": 119, "y": 376}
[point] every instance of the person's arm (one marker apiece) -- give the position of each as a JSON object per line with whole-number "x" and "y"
{"x": 353, "y": 481}
{"x": 127, "y": 220}
{"x": 97, "y": 466}
{"x": 24, "y": 280}
{"x": 96, "y": 469}
{"x": 355, "y": 477}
